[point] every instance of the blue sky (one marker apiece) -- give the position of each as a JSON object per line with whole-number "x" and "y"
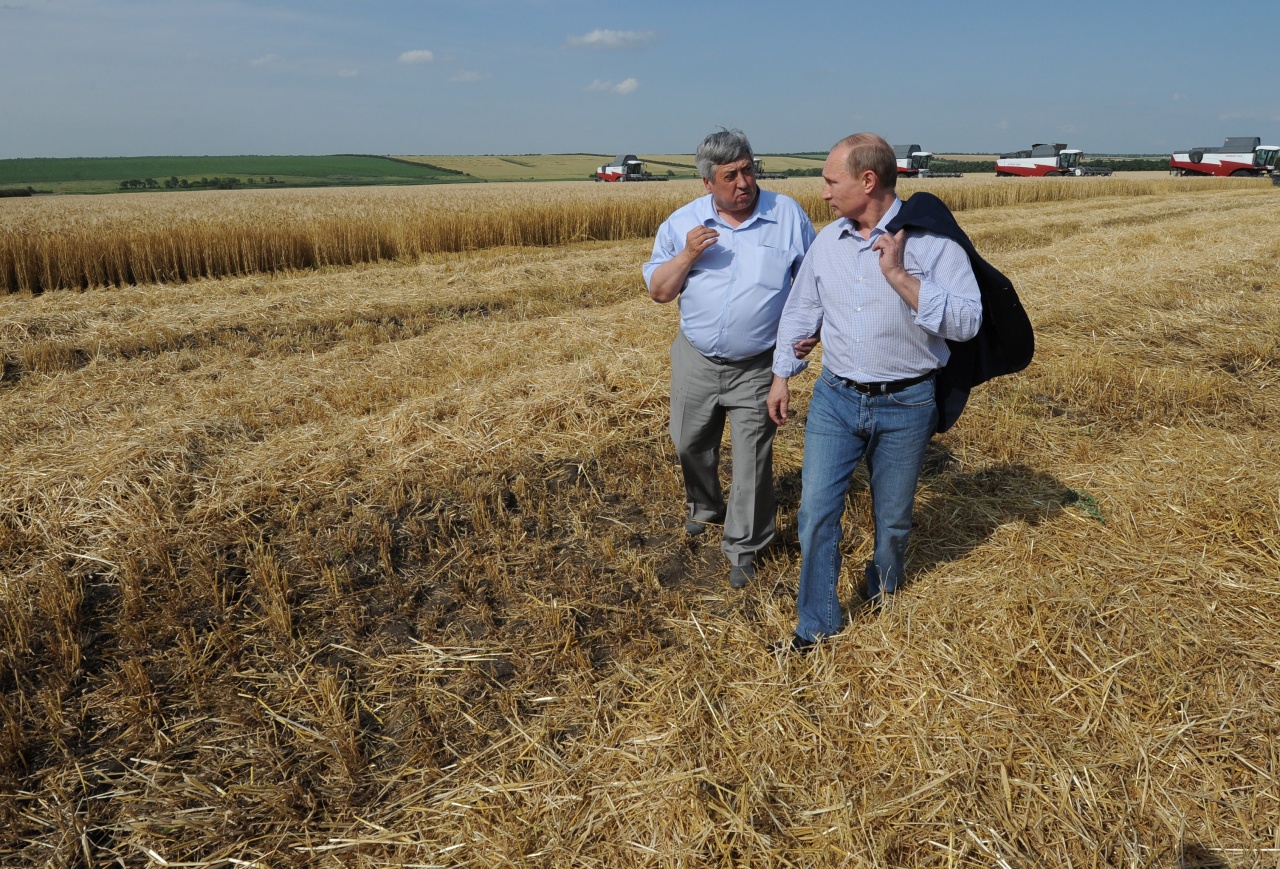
{"x": 147, "y": 77}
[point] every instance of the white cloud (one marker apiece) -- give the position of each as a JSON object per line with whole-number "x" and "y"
{"x": 465, "y": 77}
{"x": 626, "y": 86}
{"x": 612, "y": 39}
{"x": 348, "y": 73}
{"x": 1177, "y": 97}
{"x": 265, "y": 60}
{"x": 419, "y": 56}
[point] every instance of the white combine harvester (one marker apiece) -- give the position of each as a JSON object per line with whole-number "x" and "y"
{"x": 1043, "y": 160}
{"x": 913, "y": 162}
{"x": 626, "y": 167}
{"x": 1239, "y": 156}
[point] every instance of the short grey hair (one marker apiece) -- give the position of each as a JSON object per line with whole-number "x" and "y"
{"x": 720, "y": 149}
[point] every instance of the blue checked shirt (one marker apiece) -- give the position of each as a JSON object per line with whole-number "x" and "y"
{"x": 869, "y": 334}
{"x": 734, "y": 295}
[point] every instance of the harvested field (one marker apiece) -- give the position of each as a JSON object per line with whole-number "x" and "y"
{"x": 382, "y": 565}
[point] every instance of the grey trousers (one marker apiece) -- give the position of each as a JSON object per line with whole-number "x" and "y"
{"x": 703, "y": 394}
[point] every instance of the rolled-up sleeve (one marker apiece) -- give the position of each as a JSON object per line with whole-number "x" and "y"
{"x": 801, "y": 318}
{"x": 664, "y": 249}
{"x": 950, "y": 302}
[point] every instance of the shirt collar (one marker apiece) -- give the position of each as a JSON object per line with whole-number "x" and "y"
{"x": 847, "y": 228}
{"x": 765, "y": 203}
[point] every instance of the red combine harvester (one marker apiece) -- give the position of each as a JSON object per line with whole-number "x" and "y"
{"x": 913, "y": 162}
{"x": 1046, "y": 160}
{"x": 626, "y": 167}
{"x": 1241, "y": 156}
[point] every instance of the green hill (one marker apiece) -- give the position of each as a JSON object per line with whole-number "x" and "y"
{"x": 102, "y": 174}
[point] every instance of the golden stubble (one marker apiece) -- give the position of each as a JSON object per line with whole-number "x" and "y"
{"x": 383, "y": 564}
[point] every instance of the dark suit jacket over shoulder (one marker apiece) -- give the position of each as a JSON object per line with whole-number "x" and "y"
{"x": 1005, "y": 342}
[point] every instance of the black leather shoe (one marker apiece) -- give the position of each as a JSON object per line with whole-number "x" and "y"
{"x": 795, "y": 644}
{"x": 741, "y": 574}
{"x": 694, "y": 527}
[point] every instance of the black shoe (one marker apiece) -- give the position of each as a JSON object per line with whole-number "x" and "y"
{"x": 694, "y": 527}
{"x": 795, "y": 644}
{"x": 741, "y": 574}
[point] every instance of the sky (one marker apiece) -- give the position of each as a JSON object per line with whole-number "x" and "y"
{"x": 105, "y": 78}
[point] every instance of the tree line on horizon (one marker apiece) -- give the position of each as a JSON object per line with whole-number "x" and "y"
{"x": 176, "y": 183}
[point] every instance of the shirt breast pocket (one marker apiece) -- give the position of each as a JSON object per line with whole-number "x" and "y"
{"x": 772, "y": 268}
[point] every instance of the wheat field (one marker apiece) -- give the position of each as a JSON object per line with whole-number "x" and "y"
{"x": 84, "y": 242}
{"x": 381, "y": 563}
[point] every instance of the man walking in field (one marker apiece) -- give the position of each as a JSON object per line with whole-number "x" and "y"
{"x": 886, "y": 304}
{"x": 728, "y": 258}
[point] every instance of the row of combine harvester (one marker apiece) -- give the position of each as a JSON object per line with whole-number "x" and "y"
{"x": 913, "y": 162}
{"x": 1038, "y": 161}
{"x": 1239, "y": 156}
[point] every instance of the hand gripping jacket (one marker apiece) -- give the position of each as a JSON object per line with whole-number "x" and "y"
{"x": 1005, "y": 342}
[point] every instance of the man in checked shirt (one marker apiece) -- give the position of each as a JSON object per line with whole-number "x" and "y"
{"x": 886, "y": 304}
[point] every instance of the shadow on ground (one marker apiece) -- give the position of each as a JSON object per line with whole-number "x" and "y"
{"x": 956, "y": 512}
{"x": 1193, "y": 855}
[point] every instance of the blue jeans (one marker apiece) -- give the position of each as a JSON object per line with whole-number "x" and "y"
{"x": 844, "y": 426}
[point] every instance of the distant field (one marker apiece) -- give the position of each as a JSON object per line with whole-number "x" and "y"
{"x": 572, "y": 167}
{"x": 518, "y": 167}
{"x": 551, "y": 167}
{"x": 104, "y": 174}
{"x": 684, "y": 163}
{"x": 112, "y": 174}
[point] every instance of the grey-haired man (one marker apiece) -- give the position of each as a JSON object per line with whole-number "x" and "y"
{"x": 728, "y": 258}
